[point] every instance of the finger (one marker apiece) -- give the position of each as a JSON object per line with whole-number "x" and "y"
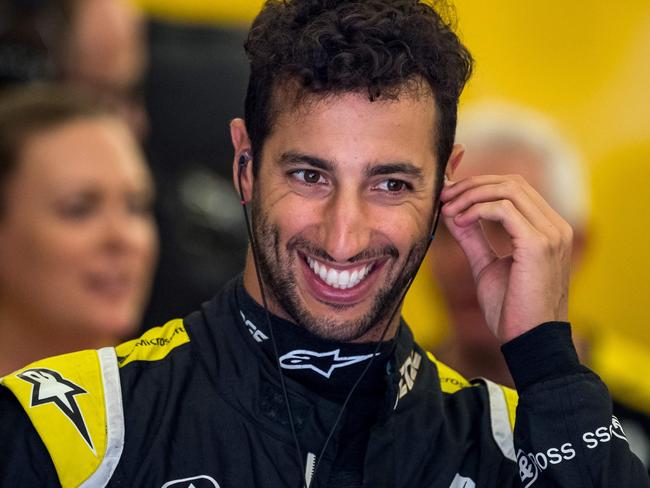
{"x": 504, "y": 190}
{"x": 503, "y": 212}
{"x": 512, "y": 183}
{"x": 473, "y": 242}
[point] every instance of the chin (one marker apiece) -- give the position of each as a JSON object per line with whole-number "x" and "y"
{"x": 114, "y": 326}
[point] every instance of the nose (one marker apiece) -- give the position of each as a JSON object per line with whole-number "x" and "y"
{"x": 346, "y": 225}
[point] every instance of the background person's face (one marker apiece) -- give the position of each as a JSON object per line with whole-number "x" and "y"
{"x": 77, "y": 239}
{"x": 342, "y": 208}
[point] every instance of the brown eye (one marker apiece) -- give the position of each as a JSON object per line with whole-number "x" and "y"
{"x": 308, "y": 176}
{"x": 394, "y": 185}
{"x": 311, "y": 176}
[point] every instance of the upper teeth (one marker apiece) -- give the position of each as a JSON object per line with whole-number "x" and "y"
{"x": 348, "y": 278}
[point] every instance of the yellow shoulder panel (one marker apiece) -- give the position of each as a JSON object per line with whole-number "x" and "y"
{"x": 450, "y": 380}
{"x": 512, "y": 399}
{"x": 64, "y": 398}
{"x": 154, "y": 344}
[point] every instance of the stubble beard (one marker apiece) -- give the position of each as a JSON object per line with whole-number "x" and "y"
{"x": 275, "y": 265}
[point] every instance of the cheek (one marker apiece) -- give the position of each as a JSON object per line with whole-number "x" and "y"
{"x": 39, "y": 268}
{"x": 403, "y": 227}
{"x": 294, "y": 216}
{"x": 147, "y": 244}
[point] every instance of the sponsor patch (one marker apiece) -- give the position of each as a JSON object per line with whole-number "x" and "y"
{"x": 323, "y": 363}
{"x": 408, "y": 371}
{"x": 201, "y": 481}
{"x": 49, "y": 386}
{"x": 462, "y": 482}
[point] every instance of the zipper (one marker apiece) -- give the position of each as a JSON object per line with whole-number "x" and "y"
{"x": 309, "y": 469}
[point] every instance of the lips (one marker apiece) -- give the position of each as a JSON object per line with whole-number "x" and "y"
{"x": 110, "y": 285}
{"x": 340, "y": 285}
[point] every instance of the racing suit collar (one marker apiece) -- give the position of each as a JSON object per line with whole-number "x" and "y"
{"x": 233, "y": 352}
{"x": 329, "y": 368}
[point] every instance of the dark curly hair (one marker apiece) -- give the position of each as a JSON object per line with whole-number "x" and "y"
{"x": 382, "y": 47}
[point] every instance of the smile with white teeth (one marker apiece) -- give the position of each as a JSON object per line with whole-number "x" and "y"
{"x": 348, "y": 278}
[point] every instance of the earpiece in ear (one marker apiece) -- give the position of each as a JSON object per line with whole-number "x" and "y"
{"x": 243, "y": 160}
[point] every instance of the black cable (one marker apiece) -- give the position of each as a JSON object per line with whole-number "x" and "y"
{"x": 434, "y": 227}
{"x": 271, "y": 332}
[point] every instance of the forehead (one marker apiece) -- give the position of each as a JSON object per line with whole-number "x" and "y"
{"x": 350, "y": 127}
{"x": 98, "y": 152}
{"x": 497, "y": 159}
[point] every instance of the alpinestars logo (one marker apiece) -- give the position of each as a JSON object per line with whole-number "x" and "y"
{"x": 323, "y": 363}
{"x": 48, "y": 386}
{"x": 202, "y": 481}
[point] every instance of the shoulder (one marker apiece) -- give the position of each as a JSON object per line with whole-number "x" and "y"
{"x": 66, "y": 399}
{"x": 500, "y": 402}
{"x": 74, "y": 402}
{"x": 24, "y": 460}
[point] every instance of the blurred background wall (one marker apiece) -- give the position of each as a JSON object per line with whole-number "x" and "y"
{"x": 585, "y": 64}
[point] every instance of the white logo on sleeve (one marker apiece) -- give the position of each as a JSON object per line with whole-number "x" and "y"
{"x": 201, "y": 481}
{"x": 528, "y": 471}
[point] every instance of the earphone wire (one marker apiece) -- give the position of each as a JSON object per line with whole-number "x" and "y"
{"x": 269, "y": 324}
{"x": 434, "y": 227}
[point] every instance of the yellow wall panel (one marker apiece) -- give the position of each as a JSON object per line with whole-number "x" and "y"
{"x": 204, "y": 11}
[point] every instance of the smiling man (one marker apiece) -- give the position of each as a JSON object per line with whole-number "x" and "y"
{"x": 343, "y": 204}
{"x": 301, "y": 373}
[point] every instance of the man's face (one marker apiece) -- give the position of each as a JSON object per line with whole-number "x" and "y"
{"x": 342, "y": 210}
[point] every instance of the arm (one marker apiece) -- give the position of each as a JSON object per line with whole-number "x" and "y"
{"x": 565, "y": 435}
{"x": 24, "y": 460}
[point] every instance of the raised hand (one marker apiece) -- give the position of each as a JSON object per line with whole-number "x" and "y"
{"x": 530, "y": 286}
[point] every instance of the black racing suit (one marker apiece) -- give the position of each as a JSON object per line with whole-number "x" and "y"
{"x": 198, "y": 403}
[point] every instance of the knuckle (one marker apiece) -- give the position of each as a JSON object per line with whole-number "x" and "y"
{"x": 505, "y": 205}
{"x": 517, "y": 179}
{"x": 509, "y": 187}
{"x": 555, "y": 238}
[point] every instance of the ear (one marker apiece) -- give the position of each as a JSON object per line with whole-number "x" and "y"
{"x": 242, "y": 147}
{"x": 457, "y": 153}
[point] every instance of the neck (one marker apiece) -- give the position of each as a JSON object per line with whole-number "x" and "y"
{"x": 329, "y": 368}
{"x": 23, "y": 341}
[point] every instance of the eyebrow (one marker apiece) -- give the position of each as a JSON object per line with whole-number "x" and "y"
{"x": 394, "y": 168}
{"x": 398, "y": 167}
{"x": 292, "y": 157}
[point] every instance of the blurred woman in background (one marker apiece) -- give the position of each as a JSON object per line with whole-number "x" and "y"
{"x": 78, "y": 242}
